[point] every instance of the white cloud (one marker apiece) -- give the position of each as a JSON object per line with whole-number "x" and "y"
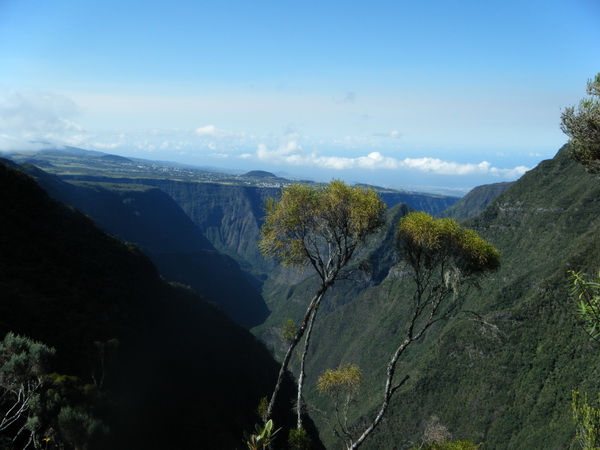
{"x": 282, "y": 152}
{"x": 37, "y": 112}
{"x": 213, "y": 132}
{"x": 104, "y": 145}
{"x": 10, "y": 143}
{"x": 27, "y": 117}
{"x": 291, "y": 153}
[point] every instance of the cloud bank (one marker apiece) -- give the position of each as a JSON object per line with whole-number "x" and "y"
{"x": 291, "y": 153}
{"x": 27, "y": 117}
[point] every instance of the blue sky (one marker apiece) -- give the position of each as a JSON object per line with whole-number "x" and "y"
{"x": 396, "y": 93}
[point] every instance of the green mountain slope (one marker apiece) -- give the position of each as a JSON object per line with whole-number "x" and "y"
{"x": 430, "y": 203}
{"x": 505, "y": 380}
{"x": 184, "y": 376}
{"x": 475, "y": 201}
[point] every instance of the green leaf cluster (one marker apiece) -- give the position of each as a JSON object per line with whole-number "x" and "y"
{"x": 298, "y": 439}
{"x": 310, "y": 222}
{"x": 288, "y": 330}
{"x": 345, "y": 379}
{"x": 587, "y": 419}
{"x": 585, "y": 292}
{"x": 263, "y": 438}
{"x": 582, "y": 125}
{"x": 22, "y": 360}
{"x": 429, "y": 243}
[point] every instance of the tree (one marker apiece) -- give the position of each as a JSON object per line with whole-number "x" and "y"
{"x": 582, "y": 125}
{"x": 42, "y": 409}
{"x": 443, "y": 257}
{"x": 585, "y": 295}
{"x": 341, "y": 385}
{"x": 23, "y": 363}
{"x": 321, "y": 226}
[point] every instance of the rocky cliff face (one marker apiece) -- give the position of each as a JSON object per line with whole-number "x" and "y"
{"x": 151, "y": 219}
{"x": 229, "y": 216}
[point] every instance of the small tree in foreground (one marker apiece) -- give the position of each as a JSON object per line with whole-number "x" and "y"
{"x": 582, "y": 125}
{"x": 443, "y": 257}
{"x": 321, "y": 226}
{"x": 40, "y": 409}
{"x": 341, "y": 385}
{"x": 585, "y": 295}
{"x": 23, "y": 364}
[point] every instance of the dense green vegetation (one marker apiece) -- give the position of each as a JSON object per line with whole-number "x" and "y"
{"x": 503, "y": 371}
{"x": 475, "y": 201}
{"x": 499, "y": 375}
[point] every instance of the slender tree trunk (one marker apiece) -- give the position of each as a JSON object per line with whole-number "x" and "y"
{"x": 286, "y": 360}
{"x": 411, "y": 336}
{"x": 301, "y": 376}
{"x": 387, "y": 396}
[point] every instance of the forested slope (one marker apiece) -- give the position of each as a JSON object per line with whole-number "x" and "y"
{"x": 151, "y": 219}
{"x": 475, "y": 201}
{"x": 183, "y": 376}
{"x": 502, "y": 376}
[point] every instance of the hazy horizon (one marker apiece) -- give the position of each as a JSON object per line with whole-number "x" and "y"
{"x": 397, "y": 94}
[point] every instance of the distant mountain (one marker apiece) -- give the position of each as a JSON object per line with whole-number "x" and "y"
{"x": 116, "y": 158}
{"x": 259, "y": 174}
{"x": 184, "y": 376}
{"x": 475, "y": 201}
{"x": 430, "y": 203}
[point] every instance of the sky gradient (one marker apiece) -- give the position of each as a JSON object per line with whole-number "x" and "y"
{"x": 394, "y": 93}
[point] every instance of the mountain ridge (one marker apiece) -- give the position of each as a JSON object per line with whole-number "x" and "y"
{"x": 148, "y": 217}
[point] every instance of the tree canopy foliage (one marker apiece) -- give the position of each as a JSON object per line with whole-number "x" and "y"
{"x": 442, "y": 247}
{"x": 320, "y": 225}
{"x": 582, "y": 125}
{"x": 344, "y": 380}
{"x": 23, "y": 362}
